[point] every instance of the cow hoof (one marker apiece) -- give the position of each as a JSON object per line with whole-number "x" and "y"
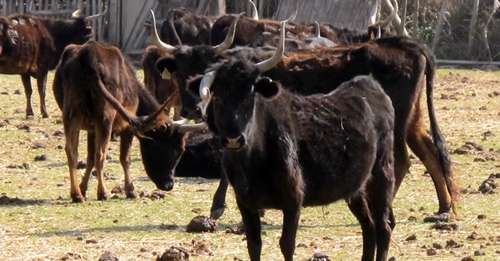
{"x": 217, "y": 213}
{"x": 102, "y": 196}
{"x": 443, "y": 217}
{"x": 132, "y": 195}
{"x": 46, "y": 116}
{"x": 78, "y": 198}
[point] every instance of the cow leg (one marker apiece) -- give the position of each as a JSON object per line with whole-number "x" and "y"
{"x": 381, "y": 194}
{"x": 102, "y": 138}
{"x": 41, "y": 84}
{"x": 423, "y": 147}
{"x": 90, "y": 162}
{"x": 28, "y": 91}
{"x": 72, "y": 133}
{"x": 126, "y": 138}
{"x": 290, "y": 225}
{"x": 219, "y": 200}
{"x": 359, "y": 207}
{"x": 251, "y": 221}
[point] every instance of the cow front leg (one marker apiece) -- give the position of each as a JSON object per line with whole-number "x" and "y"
{"x": 41, "y": 84}
{"x": 251, "y": 221}
{"x": 28, "y": 91}
{"x": 126, "y": 138}
{"x": 219, "y": 200}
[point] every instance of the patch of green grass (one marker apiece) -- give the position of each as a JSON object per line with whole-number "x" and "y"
{"x": 47, "y": 226}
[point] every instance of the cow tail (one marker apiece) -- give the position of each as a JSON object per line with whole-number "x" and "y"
{"x": 439, "y": 141}
{"x": 89, "y": 57}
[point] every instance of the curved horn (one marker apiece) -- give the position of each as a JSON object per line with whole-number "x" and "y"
{"x": 391, "y": 17}
{"x": 156, "y": 38}
{"x": 179, "y": 122}
{"x": 379, "y": 31}
{"x": 317, "y": 34}
{"x": 192, "y": 127}
{"x": 228, "y": 41}
{"x": 294, "y": 15}
{"x": 255, "y": 11}
{"x": 78, "y": 13}
{"x": 205, "y": 84}
{"x": 276, "y": 58}
{"x": 97, "y": 16}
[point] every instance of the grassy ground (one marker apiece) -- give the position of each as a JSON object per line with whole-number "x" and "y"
{"x": 38, "y": 222}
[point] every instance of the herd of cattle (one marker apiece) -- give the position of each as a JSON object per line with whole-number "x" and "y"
{"x": 298, "y": 114}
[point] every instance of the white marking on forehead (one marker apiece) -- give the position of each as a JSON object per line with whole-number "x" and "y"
{"x": 22, "y": 21}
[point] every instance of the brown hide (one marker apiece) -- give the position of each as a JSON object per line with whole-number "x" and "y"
{"x": 164, "y": 90}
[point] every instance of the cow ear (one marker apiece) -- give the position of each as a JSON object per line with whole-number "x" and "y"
{"x": 167, "y": 63}
{"x": 193, "y": 85}
{"x": 267, "y": 87}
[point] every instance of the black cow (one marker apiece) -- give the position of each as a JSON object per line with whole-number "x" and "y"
{"x": 404, "y": 69}
{"x": 286, "y": 151}
{"x": 31, "y": 46}
{"x": 97, "y": 91}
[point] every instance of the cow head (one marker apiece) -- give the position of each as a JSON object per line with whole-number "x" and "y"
{"x": 188, "y": 61}
{"x": 230, "y": 90}
{"x": 82, "y": 31}
{"x": 162, "y": 142}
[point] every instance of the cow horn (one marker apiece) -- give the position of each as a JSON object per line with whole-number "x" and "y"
{"x": 391, "y": 17}
{"x": 205, "y": 84}
{"x": 276, "y": 58}
{"x": 156, "y": 39}
{"x": 255, "y": 11}
{"x": 228, "y": 41}
{"x": 184, "y": 128}
{"x": 294, "y": 15}
{"x": 96, "y": 16}
{"x": 318, "y": 32}
{"x": 78, "y": 13}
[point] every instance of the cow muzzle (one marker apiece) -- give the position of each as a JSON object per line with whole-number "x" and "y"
{"x": 233, "y": 143}
{"x": 165, "y": 186}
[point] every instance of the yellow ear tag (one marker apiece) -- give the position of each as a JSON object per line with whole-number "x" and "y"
{"x": 166, "y": 75}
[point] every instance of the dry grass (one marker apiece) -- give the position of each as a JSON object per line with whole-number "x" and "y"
{"x": 44, "y": 225}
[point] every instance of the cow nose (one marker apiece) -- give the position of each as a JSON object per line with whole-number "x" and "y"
{"x": 184, "y": 113}
{"x": 233, "y": 143}
{"x": 167, "y": 186}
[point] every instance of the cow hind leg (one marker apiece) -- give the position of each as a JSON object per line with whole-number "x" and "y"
{"x": 359, "y": 207}
{"x": 72, "y": 133}
{"x": 41, "y": 84}
{"x": 28, "y": 91}
{"x": 102, "y": 138}
{"x": 423, "y": 147}
{"x": 126, "y": 138}
{"x": 90, "y": 162}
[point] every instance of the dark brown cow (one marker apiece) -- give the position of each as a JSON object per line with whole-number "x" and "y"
{"x": 287, "y": 151}
{"x": 31, "y": 46}
{"x": 402, "y": 66}
{"x": 163, "y": 87}
{"x": 249, "y": 32}
{"x": 97, "y": 91}
{"x": 184, "y": 27}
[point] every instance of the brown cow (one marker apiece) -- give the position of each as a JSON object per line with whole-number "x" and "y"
{"x": 31, "y": 46}
{"x": 97, "y": 91}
